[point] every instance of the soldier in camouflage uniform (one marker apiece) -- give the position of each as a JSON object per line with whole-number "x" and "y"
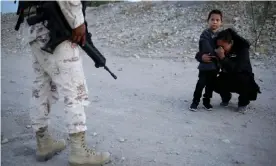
{"x": 60, "y": 76}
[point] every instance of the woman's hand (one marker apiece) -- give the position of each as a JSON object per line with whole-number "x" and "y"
{"x": 220, "y": 52}
{"x": 207, "y": 58}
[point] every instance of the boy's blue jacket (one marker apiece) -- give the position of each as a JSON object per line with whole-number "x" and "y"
{"x": 207, "y": 45}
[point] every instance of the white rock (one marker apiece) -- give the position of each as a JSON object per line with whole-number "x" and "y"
{"x": 226, "y": 141}
{"x": 236, "y": 19}
{"x": 154, "y": 160}
{"x": 122, "y": 139}
{"x": 4, "y": 141}
{"x": 136, "y": 56}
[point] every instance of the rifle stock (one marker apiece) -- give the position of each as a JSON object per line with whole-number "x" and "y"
{"x": 61, "y": 31}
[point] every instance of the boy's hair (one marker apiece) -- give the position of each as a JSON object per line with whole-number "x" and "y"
{"x": 215, "y": 11}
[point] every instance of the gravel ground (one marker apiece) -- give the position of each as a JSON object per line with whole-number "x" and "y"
{"x": 142, "y": 118}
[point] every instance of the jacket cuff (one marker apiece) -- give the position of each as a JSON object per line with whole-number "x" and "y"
{"x": 79, "y": 19}
{"x": 72, "y": 11}
{"x": 77, "y": 13}
{"x": 198, "y": 57}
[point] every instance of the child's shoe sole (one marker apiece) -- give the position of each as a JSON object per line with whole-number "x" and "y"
{"x": 208, "y": 109}
{"x": 193, "y": 109}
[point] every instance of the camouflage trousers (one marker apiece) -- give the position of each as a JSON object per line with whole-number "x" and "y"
{"x": 58, "y": 76}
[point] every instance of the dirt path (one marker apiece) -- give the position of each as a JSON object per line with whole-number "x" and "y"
{"x": 146, "y": 106}
{"x": 142, "y": 118}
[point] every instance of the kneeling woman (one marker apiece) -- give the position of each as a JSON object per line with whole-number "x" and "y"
{"x": 236, "y": 75}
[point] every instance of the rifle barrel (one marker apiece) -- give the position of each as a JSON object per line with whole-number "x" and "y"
{"x": 112, "y": 74}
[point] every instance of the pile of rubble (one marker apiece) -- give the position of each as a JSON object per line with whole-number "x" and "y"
{"x": 172, "y": 28}
{"x": 169, "y": 29}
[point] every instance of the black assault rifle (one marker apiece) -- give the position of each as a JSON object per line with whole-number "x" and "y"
{"x": 51, "y": 14}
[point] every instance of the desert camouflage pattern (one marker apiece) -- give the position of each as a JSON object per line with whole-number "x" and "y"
{"x": 58, "y": 76}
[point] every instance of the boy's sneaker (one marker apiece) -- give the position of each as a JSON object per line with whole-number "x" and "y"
{"x": 193, "y": 107}
{"x": 224, "y": 104}
{"x": 242, "y": 109}
{"x": 208, "y": 106}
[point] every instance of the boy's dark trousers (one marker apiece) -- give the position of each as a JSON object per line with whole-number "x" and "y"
{"x": 206, "y": 80}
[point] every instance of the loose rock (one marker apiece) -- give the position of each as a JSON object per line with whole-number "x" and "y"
{"x": 122, "y": 140}
{"x": 226, "y": 141}
{"x": 4, "y": 141}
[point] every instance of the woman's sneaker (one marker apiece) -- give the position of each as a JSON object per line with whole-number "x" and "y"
{"x": 224, "y": 104}
{"x": 208, "y": 106}
{"x": 193, "y": 107}
{"x": 242, "y": 109}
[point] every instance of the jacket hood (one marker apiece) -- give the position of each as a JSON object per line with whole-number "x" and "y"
{"x": 239, "y": 41}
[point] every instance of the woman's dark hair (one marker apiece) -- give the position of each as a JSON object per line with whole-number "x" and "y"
{"x": 215, "y": 11}
{"x": 230, "y": 35}
{"x": 226, "y": 35}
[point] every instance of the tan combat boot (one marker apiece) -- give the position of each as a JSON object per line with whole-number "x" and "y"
{"x": 82, "y": 156}
{"x": 46, "y": 146}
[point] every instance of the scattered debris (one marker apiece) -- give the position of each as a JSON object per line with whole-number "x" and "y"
{"x": 170, "y": 153}
{"x": 136, "y": 56}
{"x": 226, "y": 141}
{"x": 154, "y": 160}
{"x": 244, "y": 125}
{"x": 238, "y": 162}
{"x": 4, "y": 141}
{"x": 236, "y": 18}
{"x": 122, "y": 140}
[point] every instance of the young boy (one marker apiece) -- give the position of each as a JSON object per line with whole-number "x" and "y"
{"x": 208, "y": 67}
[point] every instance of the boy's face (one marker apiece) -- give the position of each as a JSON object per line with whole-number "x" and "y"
{"x": 215, "y": 21}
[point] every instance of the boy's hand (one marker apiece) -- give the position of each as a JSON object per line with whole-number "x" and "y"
{"x": 78, "y": 34}
{"x": 207, "y": 58}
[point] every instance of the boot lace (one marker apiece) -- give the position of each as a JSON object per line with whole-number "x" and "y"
{"x": 88, "y": 150}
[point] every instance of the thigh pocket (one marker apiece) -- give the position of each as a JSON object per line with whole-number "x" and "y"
{"x": 70, "y": 75}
